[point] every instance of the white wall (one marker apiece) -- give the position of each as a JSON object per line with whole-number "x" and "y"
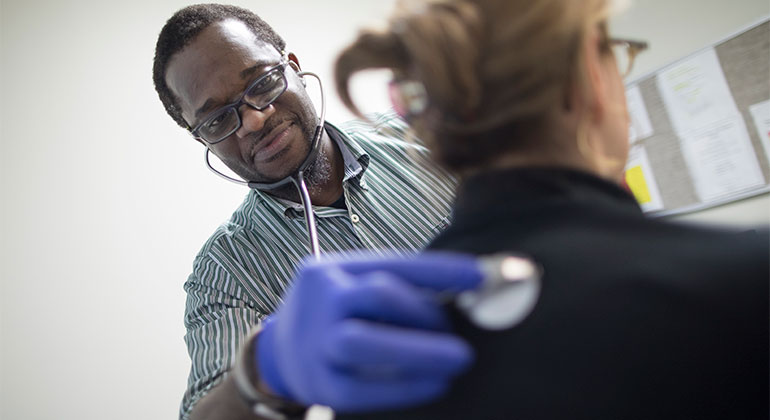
{"x": 106, "y": 201}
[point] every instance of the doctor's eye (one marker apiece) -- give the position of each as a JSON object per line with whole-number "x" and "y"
{"x": 217, "y": 120}
{"x": 266, "y": 83}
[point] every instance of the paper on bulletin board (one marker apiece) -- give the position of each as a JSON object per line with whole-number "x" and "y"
{"x": 641, "y": 179}
{"x": 721, "y": 160}
{"x": 714, "y": 138}
{"x": 641, "y": 126}
{"x": 696, "y": 93}
{"x": 761, "y": 114}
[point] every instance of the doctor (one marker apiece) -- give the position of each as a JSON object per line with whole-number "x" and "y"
{"x": 227, "y": 78}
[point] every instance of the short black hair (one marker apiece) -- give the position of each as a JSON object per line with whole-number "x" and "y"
{"x": 183, "y": 27}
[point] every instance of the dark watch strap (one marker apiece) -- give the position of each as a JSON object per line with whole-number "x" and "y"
{"x": 245, "y": 373}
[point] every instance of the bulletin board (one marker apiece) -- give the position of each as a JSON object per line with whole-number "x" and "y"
{"x": 700, "y": 127}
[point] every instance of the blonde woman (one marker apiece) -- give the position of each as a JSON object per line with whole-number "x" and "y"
{"x": 638, "y": 318}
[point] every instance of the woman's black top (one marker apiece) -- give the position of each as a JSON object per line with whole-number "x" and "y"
{"x": 638, "y": 318}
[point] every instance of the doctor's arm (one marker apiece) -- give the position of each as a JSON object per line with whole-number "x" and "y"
{"x": 357, "y": 336}
{"x": 217, "y": 321}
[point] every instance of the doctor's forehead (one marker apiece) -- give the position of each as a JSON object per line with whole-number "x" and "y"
{"x": 225, "y": 45}
{"x": 225, "y": 54}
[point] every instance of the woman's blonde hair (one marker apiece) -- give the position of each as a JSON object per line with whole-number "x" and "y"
{"x": 494, "y": 70}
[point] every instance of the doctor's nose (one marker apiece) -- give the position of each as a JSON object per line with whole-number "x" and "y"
{"x": 252, "y": 119}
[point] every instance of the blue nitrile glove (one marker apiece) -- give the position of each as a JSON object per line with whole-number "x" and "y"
{"x": 367, "y": 334}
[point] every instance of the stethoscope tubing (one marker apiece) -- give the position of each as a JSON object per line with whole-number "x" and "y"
{"x": 518, "y": 276}
{"x": 297, "y": 178}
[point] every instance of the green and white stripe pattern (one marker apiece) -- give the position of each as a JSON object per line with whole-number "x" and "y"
{"x": 397, "y": 200}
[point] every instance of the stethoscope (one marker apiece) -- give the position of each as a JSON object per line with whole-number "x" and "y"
{"x": 511, "y": 285}
{"x": 298, "y": 178}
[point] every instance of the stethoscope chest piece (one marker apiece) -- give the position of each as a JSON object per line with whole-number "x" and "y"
{"x": 509, "y": 294}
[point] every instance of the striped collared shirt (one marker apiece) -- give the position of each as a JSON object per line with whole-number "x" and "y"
{"x": 397, "y": 201}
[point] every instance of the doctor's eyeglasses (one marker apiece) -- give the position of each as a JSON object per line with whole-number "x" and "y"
{"x": 625, "y": 52}
{"x": 226, "y": 120}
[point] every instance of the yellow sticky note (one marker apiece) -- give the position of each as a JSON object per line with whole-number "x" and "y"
{"x": 635, "y": 180}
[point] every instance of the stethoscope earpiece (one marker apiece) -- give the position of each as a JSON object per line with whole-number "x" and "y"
{"x": 300, "y": 73}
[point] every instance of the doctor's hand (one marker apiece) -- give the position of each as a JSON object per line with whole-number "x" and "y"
{"x": 367, "y": 334}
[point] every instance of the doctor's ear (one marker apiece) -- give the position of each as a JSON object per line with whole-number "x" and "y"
{"x": 293, "y": 61}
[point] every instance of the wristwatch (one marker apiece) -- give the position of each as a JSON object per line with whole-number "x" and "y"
{"x": 266, "y": 406}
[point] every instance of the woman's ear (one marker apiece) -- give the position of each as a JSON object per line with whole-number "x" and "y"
{"x": 595, "y": 80}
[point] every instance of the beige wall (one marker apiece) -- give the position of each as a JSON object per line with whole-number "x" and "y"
{"x": 106, "y": 201}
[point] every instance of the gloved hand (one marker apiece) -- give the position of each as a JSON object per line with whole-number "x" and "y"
{"x": 367, "y": 334}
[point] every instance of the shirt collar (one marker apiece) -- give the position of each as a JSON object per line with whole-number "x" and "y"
{"x": 356, "y": 161}
{"x": 508, "y": 191}
{"x": 354, "y": 157}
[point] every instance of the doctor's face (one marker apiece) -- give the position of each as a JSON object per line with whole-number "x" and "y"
{"x": 213, "y": 71}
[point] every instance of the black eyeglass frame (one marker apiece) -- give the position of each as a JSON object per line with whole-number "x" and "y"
{"x": 242, "y": 100}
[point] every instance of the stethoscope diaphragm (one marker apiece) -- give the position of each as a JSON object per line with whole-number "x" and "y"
{"x": 508, "y": 294}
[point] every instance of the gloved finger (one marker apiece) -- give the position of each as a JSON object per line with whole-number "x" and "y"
{"x": 352, "y": 394}
{"x": 373, "y": 350}
{"x": 382, "y": 297}
{"x": 433, "y": 270}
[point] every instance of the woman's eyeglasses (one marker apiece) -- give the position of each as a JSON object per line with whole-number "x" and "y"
{"x": 625, "y": 52}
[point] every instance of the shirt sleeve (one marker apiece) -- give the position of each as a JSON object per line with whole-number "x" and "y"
{"x": 218, "y": 316}
{"x": 392, "y": 126}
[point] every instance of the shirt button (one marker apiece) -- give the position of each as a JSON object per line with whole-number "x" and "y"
{"x": 354, "y": 218}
